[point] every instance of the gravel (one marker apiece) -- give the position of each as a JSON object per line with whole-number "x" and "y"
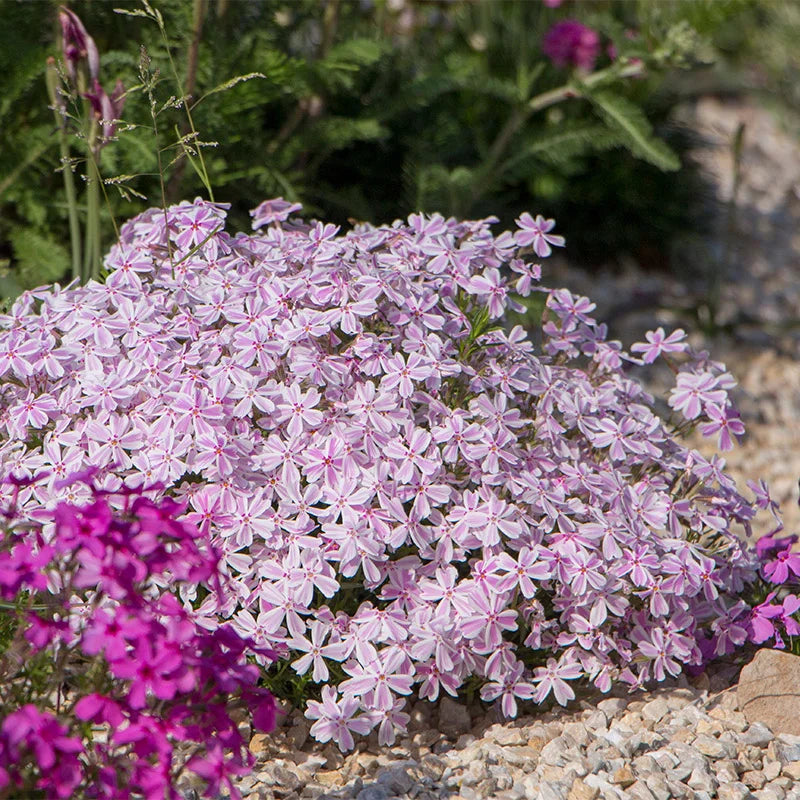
{"x": 685, "y": 740}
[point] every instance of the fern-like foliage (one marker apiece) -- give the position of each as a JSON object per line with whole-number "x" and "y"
{"x": 356, "y": 109}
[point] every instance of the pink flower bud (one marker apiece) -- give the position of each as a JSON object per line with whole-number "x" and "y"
{"x": 77, "y": 44}
{"x": 570, "y": 43}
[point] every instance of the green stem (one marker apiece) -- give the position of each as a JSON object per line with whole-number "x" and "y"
{"x": 483, "y": 181}
{"x": 93, "y": 221}
{"x": 91, "y": 254}
{"x": 201, "y": 166}
{"x": 200, "y": 8}
{"x": 66, "y": 170}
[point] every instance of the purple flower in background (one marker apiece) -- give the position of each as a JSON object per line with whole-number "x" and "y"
{"x": 77, "y": 44}
{"x": 107, "y": 109}
{"x": 569, "y": 43}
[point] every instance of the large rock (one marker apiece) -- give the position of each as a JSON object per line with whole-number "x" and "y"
{"x": 769, "y": 691}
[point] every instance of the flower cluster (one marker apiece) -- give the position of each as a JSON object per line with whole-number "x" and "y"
{"x": 406, "y": 496}
{"x": 569, "y": 43}
{"x": 776, "y": 618}
{"x": 108, "y": 684}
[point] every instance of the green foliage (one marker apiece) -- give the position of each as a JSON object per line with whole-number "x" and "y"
{"x": 358, "y": 110}
{"x": 628, "y": 120}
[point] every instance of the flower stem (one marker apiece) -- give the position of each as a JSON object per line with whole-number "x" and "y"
{"x": 66, "y": 170}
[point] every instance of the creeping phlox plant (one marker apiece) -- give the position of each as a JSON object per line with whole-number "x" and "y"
{"x": 107, "y": 684}
{"x": 408, "y": 497}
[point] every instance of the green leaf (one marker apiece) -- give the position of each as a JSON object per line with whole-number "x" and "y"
{"x": 39, "y": 258}
{"x": 567, "y": 142}
{"x": 355, "y": 53}
{"x": 338, "y": 132}
{"x": 627, "y": 119}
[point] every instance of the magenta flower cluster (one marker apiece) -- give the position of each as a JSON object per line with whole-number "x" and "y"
{"x": 109, "y": 686}
{"x": 570, "y": 43}
{"x": 407, "y": 496}
{"x": 776, "y": 618}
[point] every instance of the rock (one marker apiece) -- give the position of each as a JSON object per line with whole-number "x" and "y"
{"x": 624, "y": 777}
{"x": 655, "y": 710}
{"x": 582, "y": 791}
{"x": 639, "y": 791}
{"x": 374, "y": 792}
{"x": 754, "y": 779}
{"x": 769, "y": 691}
{"x": 658, "y": 786}
{"x": 702, "y": 780}
{"x": 715, "y": 748}
{"x": 259, "y": 744}
{"x": 757, "y": 735}
{"x": 613, "y": 706}
{"x": 505, "y": 736}
{"x": 734, "y": 791}
{"x": 454, "y": 718}
{"x": 792, "y": 770}
{"x": 726, "y": 772}
{"x": 331, "y": 777}
{"x": 787, "y": 748}
{"x": 396, "y": 779}
{"x": 521, "y": 756}
{"x": 555, "y": 752}
{"x": 771, "y": 769}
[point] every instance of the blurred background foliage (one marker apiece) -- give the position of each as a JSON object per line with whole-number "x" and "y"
{"x": 371, "y": 109}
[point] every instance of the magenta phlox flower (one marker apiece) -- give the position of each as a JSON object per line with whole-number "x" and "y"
{"x": 337, "y": 720}
{"x": 553, "y": 678}
{"x": 217, "y": 771}
{"x": 99, "y": 709}
{"x": 784, "y": 564}
{"x": 113, "y": 633}
{"x": 761, "y": 616}
{"x": 24, "y": 565}
{"x": 659, "y": 343}
{"x": 157, "y": 668}
{"x": 769, "y": 545}
{"x": 569, "y": 43}
{"x": 47, "y": 744}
